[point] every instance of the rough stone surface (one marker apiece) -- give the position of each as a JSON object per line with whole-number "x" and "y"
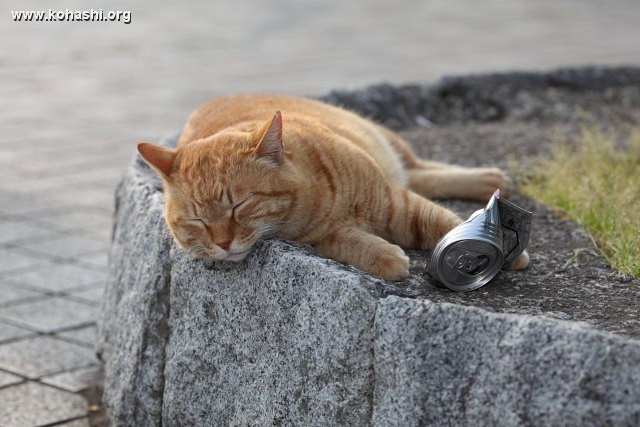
{"x": 443, "y": 364}
{"x": 133, "y": 331}
{"x": 260, "y": 330}
{"x": 287, "y": 337}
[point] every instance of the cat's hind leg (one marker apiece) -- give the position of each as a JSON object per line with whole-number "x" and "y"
{"x": 445, "y": 181}
{"x": 354, "y": 246}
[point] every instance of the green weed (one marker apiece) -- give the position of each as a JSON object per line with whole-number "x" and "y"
{"x": 597, "y": 184}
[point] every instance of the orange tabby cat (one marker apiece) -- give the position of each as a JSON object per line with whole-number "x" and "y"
{"x": 312, "y": 173}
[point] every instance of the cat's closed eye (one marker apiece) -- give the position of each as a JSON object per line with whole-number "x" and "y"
{"x": 195, "y": 221}
{"x": 237, "y": 205}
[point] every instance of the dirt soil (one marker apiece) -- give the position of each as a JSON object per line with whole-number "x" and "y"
{"x": 567, "y": 279}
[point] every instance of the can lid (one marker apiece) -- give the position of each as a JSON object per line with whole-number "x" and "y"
{"x": 465, "y": 265}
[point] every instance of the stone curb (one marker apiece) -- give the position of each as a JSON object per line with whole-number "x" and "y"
{"x": 287, "y": 337}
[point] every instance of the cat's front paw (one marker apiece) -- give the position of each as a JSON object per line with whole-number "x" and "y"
{"x": 391, "y": 264}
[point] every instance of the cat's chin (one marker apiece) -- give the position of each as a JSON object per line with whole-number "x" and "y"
{"x": 237, "y": 256}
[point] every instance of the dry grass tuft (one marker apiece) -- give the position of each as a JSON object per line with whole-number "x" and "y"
{"x": 598, "y": 185}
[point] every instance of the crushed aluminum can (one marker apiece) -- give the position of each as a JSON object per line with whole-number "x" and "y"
{"x": 471, "y": 254}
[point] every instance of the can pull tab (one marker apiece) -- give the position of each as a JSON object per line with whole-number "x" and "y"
{"x": 470, "y": 264}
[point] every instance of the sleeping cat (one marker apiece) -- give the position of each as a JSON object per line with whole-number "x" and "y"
{"x": 249, "y": 166}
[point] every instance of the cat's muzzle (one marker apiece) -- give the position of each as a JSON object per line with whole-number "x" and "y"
{"x": 471, "y": 254}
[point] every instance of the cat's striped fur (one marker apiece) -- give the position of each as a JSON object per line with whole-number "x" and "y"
{"x": 249, "y": 166}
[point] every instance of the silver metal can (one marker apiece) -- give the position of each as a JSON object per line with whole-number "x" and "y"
{"x": 471, "y": 254}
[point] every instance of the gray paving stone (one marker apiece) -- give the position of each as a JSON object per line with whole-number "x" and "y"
{"x": 100, "y": 159}
{"x": 75, "y": 220}
{"x": 86, "y": 335}
{"x": 12, "y": 134}
{"x": 11, "y": 231}
{"x": 57, "y": 278}
{"x": 91, "y": 295}
{"x": 10, "y": 260}
{"x": 98, "y": 259}
{"x": 4, "y": 215}
{"x": 7, "y": 379}
{"x": 16, "y": 207}
{"x": 31, "y": 404}
{"x": 67, "y": 247}
{"x": 40, "y": 161}
{"x": 80, "y": 422}
{"x": 39, "y": 148}
{"x": 34, "y": 184}
{"x": 50, "y": 314}
{"x": 15, "y": 135}
{"x": 51, "y": 135}
{"x": 103, "y": 233}
{"x": 101, "y": 198}
{"x": 40, "y": 356}
{"x": 10, "y": 294}
{"x": 38, "y": 204}
{"x": 109, "y": 175}
{"x": 10, "y": 332}
{"x": 74, "y": 381}
{"x": 29, "y": 142}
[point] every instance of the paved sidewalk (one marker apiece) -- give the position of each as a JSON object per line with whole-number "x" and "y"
{"x": 77, "y": 96}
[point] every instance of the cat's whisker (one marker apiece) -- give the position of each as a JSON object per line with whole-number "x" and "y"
{"x": 197, "y": 251}
{"x": 194, "y": 247}
{"x": 266, "y": 229}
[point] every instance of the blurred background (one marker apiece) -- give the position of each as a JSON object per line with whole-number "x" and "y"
{"x": 76, "y": 96}
{"x": 147, "y": 75}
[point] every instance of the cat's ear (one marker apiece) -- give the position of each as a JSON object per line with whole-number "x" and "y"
{"x": 159, "y": 158}
{"x": 270, "y": 147}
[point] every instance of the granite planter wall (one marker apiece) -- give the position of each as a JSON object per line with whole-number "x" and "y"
{"x": 287, "y": 337}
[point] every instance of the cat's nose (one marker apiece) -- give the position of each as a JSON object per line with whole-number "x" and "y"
{"x": 224, "y": 245}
